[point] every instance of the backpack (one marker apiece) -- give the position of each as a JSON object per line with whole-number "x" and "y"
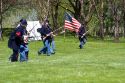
{"x": 11, "y": 39}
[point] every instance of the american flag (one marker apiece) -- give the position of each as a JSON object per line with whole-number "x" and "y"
{"x": 71, "y": 23}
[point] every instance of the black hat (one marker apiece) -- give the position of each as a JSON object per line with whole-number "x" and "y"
{"x": 24, "y": 22}
{"x": 21, "y": 20}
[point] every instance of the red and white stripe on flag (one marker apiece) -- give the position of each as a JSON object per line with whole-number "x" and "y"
{"x": 68, "y": 25}
{"x": 76, "y": 24}
{"x": 71, "y": 23}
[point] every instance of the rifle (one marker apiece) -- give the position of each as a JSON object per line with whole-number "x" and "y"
{"x": 25, "y": 37}
{"x": 51, "y": 33}
{"x": 84, "y": 34}
{"x": 59, "y": 33}
{"x": 31, "y": 29}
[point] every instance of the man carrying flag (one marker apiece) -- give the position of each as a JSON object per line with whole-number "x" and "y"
{"x": 82, "y": 37}
{"x": 73, "y": 25}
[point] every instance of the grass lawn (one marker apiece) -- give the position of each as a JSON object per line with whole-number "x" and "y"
{"x": 99, "y": 62}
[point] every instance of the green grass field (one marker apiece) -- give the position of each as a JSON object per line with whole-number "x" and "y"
{"x": 99, "y": 62}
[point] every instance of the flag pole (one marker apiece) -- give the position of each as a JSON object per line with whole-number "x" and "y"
{"x": 64, "y": 34}
{"x": 64, "y": 28}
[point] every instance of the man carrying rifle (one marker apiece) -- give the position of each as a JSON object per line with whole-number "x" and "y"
{"x": 22, "y": 40}
{"x": 46, "y": 33}
{"x": 82, "y": 37}
{"x": 16, "y": 40}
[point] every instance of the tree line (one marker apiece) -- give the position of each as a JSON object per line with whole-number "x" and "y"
{"x": 108, "y": 16}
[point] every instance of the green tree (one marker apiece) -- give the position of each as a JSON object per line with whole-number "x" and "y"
{"x": 5, "y": 5}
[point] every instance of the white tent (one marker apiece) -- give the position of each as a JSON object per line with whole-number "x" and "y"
{"x": 32, "y": 27}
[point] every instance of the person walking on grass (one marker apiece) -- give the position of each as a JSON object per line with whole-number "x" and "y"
{"x": 46, "y": 33}
{"x": 82, "y": 36}
{"x": 22, "y": 36}
{"x": 17, "y": 42}
{"x": 14, "y": 44}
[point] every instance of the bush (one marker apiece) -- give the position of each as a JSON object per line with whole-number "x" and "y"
{"x": 7, "y": 31}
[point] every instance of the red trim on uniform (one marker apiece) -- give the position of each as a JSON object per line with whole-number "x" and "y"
{"x": 18, "y": 34}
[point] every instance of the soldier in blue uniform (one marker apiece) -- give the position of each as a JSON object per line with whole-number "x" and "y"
{"x": 23, "y": 23}
{"x": 26, "y": 44}
{"x": 16, "y": 42}
{"x": 82, "y": 37}
{"x": 41, "y": 31}
{"x": 13, "y": 44}
{"x": 52, "y": 43}
{"x": 23, "y": 39}
{"x": 46, "y": 33}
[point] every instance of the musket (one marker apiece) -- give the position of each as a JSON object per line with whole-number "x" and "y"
{"x": 84, "y": 34}
{"x": 27, "y": 35}
{"x": 31, "y": 29}
{"x": 60, "y": 33}
{"x": 51, "y": 33}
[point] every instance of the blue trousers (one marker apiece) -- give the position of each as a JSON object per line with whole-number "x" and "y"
{"x": 26, "y": 51}
{"x": 23, "y": 53}
{"x": 46, "y": 48}
{"x": 82, "y": 43}
{"x": 53, "y": 45}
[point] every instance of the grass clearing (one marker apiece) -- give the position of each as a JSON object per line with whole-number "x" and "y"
{"x": 98, "y": 62}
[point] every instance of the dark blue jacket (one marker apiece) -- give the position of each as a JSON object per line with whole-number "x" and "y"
{"x": 81, "y": 32}
{"x": 16, "y": 38}
{"x": 20, "y": 32}
{"x": 11, "y": 42}
{"x": 44, "y": 31}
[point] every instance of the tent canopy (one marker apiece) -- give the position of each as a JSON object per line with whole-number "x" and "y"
{"x": 32, "y": 28}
